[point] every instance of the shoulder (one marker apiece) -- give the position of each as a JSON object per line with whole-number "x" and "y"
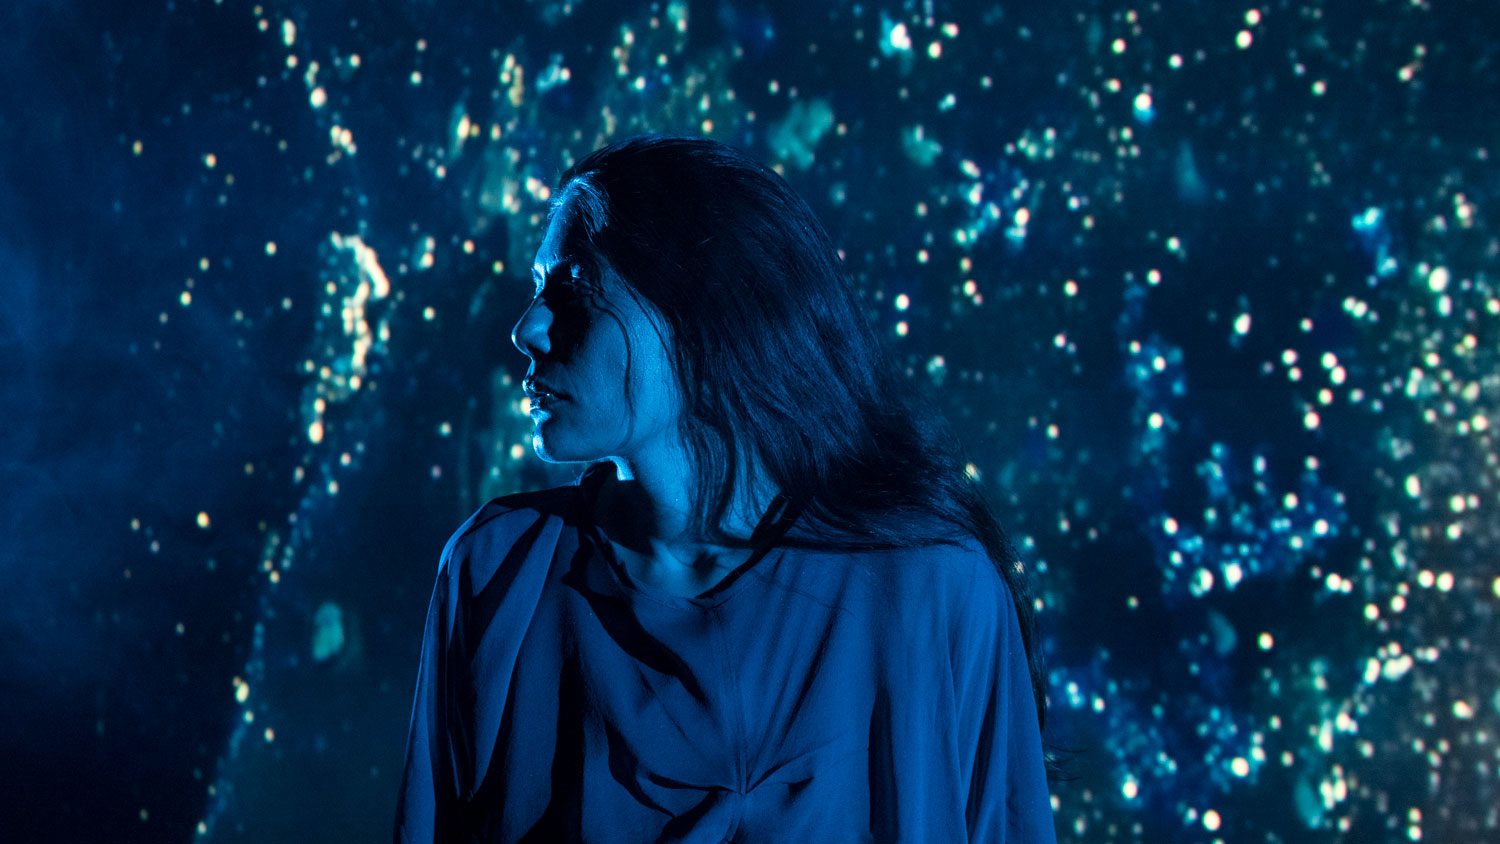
{"x": 952, "y": 584}
{"x": 958, "y": 571}
{"x": 508, "y": 524}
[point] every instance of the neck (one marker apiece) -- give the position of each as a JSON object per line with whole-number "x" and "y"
{"x": 648, "y": 510}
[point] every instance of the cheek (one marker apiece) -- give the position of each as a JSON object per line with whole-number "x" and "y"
{"x": 573, "y": 327}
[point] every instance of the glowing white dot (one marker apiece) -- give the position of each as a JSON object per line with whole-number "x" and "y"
{"x": 1437, "y": 280}
{"x": 1243, "y": 39}
{"x": 1169, "y": 525}
{"x": 1242, "y": 324}
{"x": 900, "y": 39}
{"x": 1211, "y": 820}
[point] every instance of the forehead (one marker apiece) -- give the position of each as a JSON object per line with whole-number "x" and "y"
{"x": 564, "y": 240}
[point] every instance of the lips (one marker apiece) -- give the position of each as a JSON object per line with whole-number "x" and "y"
{"x": 535, "y": 389}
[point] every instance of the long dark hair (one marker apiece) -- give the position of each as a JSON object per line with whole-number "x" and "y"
{"x": 774, "y": 359}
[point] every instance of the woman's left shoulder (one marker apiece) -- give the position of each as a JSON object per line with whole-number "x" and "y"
{"x": 960, "y": 563}
{"x": 950, "y": 578}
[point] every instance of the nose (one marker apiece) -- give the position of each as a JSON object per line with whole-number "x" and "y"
{"x": 530, "y": 333}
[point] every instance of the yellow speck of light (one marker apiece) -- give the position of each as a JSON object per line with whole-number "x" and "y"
{"x": 1169, "y": 525}
{"x": 318, "y": 97}
{"x": 1240, "y": 766}
{"x": 315, "y": 432}
{"x": 202, "y": 519}
{"x": 210, "y": 161}
{"x": 1155, "y": 421}
{"x": 1211, "y": 820}
{"x": 1130, "y": 788}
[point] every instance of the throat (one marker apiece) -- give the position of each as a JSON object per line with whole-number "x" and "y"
{"x": 683, "y": 569}
{"x": 673, "y": 575}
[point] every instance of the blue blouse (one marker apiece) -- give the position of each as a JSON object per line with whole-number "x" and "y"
{"x": 810, "y": 696}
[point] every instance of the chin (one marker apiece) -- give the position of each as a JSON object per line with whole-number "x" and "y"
{"x": 555, "y": 449}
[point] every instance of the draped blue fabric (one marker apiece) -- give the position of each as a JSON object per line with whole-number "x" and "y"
{"x": 811, "y": 696}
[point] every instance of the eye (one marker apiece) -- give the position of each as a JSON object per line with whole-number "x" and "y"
{"x": 571, "y": 280}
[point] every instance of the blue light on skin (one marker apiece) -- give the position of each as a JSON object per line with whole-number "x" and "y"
{"x": 605, "y": 350}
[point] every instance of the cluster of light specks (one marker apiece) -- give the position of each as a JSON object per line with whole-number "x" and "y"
{"x": 354, "y": 285}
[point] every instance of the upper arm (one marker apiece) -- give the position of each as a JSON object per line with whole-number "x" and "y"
{"x": 1000, "y": 743}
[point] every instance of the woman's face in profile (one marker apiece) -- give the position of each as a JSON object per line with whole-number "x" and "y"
{"x": 587, "y": 339}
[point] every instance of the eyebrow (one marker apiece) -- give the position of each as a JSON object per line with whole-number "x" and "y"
{"x": 584, "y": 262}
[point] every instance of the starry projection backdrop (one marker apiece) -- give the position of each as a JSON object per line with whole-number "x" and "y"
{"x": 1207, "y": 289}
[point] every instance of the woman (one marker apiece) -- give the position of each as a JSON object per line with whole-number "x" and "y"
{"x": 773, "y": 607}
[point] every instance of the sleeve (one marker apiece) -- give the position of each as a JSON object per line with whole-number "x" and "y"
{"x": 1001, "y": 743}
{"x": 428, "y": 799}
